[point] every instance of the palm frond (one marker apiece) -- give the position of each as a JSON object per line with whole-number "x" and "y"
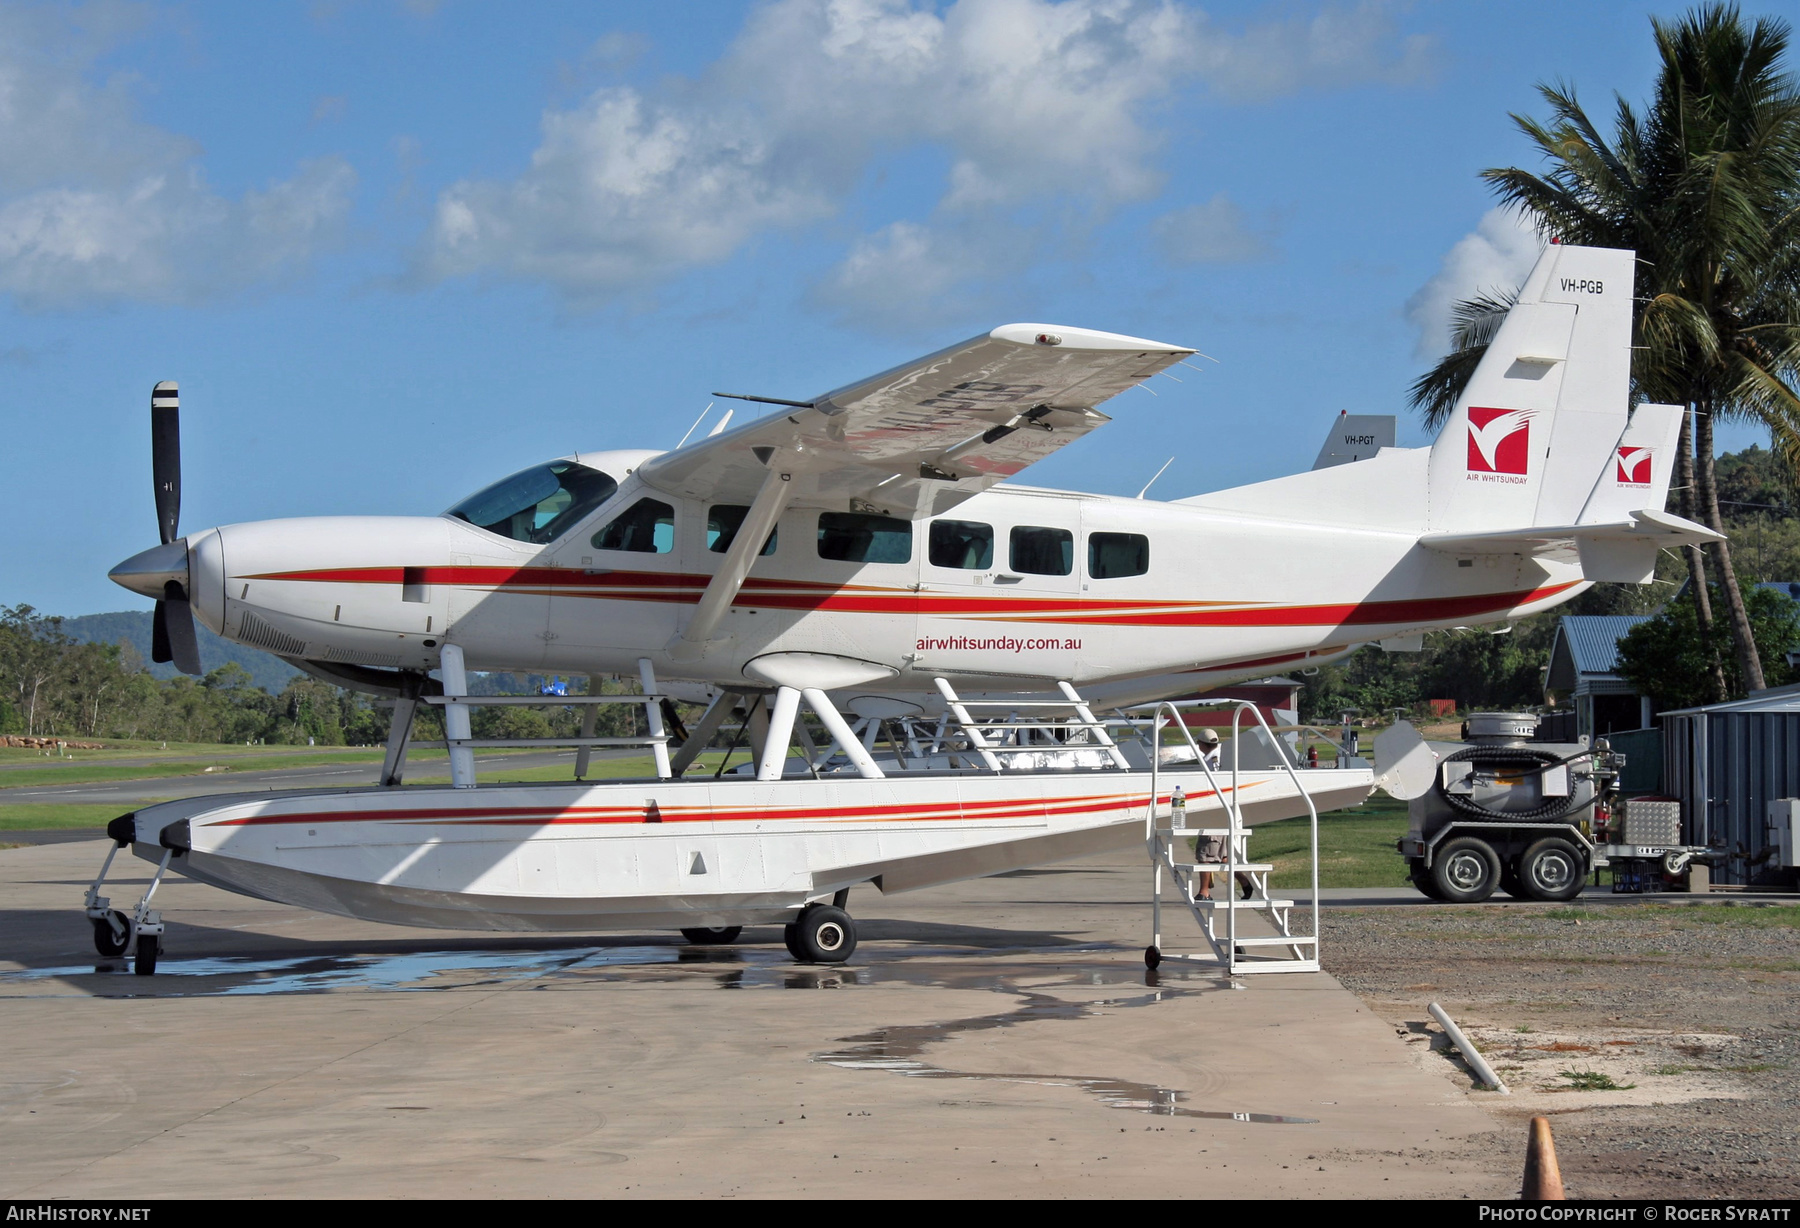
{"x": 1435, "y": 393}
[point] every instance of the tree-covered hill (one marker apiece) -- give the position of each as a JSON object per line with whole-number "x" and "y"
{"x": 133, "y": 627}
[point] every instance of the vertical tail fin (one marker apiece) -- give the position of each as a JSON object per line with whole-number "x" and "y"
{"x": 1546, "y": 407}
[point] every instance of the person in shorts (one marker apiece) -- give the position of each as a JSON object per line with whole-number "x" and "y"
{"x": 1208, "y": 848}
{"x": 1212, "y": 848}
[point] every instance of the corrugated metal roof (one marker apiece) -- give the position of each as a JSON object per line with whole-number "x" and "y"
{"x": 1775, "y": 699}
{"x": 1593, "y": 640}
{"x": 1787, "y": 588}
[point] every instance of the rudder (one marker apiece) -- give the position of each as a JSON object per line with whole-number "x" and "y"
{"x": 1546, "y": 406}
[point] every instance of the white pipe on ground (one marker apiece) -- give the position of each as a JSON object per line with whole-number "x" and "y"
{"x": 1477, "y": 1063}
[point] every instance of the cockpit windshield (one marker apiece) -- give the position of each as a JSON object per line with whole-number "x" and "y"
{"x": 538, "y": 504}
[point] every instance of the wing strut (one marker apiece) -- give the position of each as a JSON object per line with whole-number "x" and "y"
{"x": 771, "y": 500}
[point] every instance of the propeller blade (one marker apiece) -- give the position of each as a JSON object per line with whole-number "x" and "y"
{"x": 165, "y": 457}
{"x": 159, "y": 636}
{"x": 177, "y": 619}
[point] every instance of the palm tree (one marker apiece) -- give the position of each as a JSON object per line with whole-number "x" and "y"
{"x": 1705, "y": 186}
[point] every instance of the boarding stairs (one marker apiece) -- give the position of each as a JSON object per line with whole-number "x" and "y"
{"x": 1237, "y": 943}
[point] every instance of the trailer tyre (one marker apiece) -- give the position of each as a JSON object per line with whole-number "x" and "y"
{"x": 719, "y": 936}
{"x": 1465, "y": 871}
{"x": 1421, "y": 878}
{"x": 1552, "y": 869}
{"x": 824, "y": 935}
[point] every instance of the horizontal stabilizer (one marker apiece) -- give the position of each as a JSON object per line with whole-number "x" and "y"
{"x": 1622, "y": 550}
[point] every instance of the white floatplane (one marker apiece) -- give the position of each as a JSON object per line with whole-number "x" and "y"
{"x": 862, "y": 552}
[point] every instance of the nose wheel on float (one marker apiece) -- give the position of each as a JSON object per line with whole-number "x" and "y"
{"x": 138, "y": 933}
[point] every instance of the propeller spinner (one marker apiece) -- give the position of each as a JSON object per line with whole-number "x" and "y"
{"x": 162, "y": 572}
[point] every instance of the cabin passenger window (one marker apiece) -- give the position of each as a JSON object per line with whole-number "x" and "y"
{"x": 962, "y": 543}
{"x": 723, "y": 520}
{"x": 1042, "y": 552}
{"x": 853, "y": 537}
{"x": 1114, "y": 555}
{"x": 646, "y": 527}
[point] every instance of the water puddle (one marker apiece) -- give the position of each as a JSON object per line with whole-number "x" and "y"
{"x": 746, "y": 967}
{"x": 896, "y": 1050}
{"x": 413, "y": 970}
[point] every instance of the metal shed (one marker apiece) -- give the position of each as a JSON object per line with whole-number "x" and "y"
{"x": 1727, "y": 762}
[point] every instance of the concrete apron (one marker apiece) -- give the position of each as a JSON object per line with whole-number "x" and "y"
{"x": 994, "y": 1038}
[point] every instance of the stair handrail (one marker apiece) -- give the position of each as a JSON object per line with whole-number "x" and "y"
{"x": 1312, "y": 811}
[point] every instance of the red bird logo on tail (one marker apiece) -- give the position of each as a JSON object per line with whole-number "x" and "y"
{"x": 1499, "y": 440}
{"x": 1634, "y": 466}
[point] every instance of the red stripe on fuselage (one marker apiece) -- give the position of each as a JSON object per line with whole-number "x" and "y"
{"x": 810, "y": 596}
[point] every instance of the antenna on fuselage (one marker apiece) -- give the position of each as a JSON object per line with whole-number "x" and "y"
{"x": 696, "y": 426}
{"x": 1158, "y": 474}
{"x": 722, "y": 423}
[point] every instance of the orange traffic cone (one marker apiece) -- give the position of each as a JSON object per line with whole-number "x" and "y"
{"x": 1543, "y": 1179}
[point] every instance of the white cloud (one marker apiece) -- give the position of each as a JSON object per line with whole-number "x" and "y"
{"x": 1495, "y": 256}
{"x": 1213, "y": 233}
{"x": 1034, "y": 102}
{"x": 98, "y": 207}
{"x": 1337, "y": 46}
{"x": 908, "y": 276}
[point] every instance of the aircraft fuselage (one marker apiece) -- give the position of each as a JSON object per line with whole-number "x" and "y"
{"x": 1014, "y": 583}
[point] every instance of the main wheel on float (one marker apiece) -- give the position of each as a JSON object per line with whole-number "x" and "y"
{"x": 718, "y": 936}
{"x": 1466, "y": 870}
{"x": 149, "y": 946}
{"x": 823, "y": 935}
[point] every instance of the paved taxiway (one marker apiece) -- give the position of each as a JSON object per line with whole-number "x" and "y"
{"x": 128, "y": 793}
{"x": 994, "y": 1038}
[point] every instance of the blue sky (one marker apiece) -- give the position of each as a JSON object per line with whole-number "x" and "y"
{"x": 393, "y": 250}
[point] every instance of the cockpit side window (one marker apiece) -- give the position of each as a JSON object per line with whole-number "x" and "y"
{"x": 538, "y": 504}
{"x": 646, "y": 527}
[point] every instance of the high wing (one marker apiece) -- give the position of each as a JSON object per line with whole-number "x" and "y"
{"x": 921, "y": 438}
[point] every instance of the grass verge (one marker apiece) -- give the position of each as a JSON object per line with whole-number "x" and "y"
{"x": 43, "y": 817}
{"x": 1753, "y": 916}
{"x": 1356, "y": 847}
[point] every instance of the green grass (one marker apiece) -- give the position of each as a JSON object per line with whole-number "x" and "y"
{"x": 41, "y": 817}
{"x": 1356, "y": 847}
{"x": 1754, "y": 916}
{"x": 1757, "y": 916}
{"x": 81, "y": 771}
{"x": 1593, "y": 1081}
{"x": 600, "y": 769}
